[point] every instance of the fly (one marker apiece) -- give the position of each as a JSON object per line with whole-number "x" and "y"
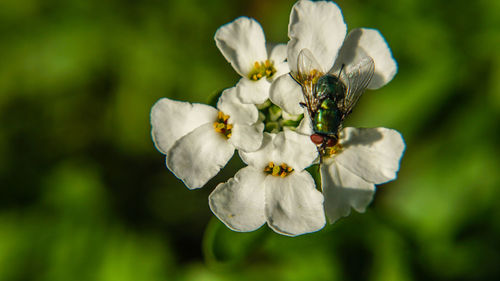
{"x": 330, "y": 97}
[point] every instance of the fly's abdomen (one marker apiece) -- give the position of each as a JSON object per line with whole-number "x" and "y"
{"x": 327, "y": 119}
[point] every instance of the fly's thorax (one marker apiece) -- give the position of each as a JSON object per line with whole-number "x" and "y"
{"x": 329, "y": 86}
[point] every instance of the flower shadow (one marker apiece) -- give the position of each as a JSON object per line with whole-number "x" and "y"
{"x": 362, "y": 136}
{"x": 340, "y": 199}
{"x": 352, "y": 52}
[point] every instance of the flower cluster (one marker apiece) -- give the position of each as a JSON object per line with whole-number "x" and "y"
{"x": 263, "y": 116}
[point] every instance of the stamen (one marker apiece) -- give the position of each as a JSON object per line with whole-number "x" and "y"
{"x": 262, "y": 69}
{"x": 221, "y": 125}
{"x": 276, "y": 170}
{"x": 309, "y": 79}
{"x": 332, "y": 150}
{"x": 282, "y": 170}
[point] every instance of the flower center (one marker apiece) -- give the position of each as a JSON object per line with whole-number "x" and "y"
{"x": 275, "y": 120}
{"x": 282, "y": 170}
{"x": 221, "y": 125}
{"x": 262, "y": 69}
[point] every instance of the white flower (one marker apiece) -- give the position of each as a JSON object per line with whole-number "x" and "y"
{"x": 243, "y": 44}
{"x": 199, "y": 140}
{"x": 362, "y": 159}
{"x": 319, "y": 27}
{"x": 273, "y": 188}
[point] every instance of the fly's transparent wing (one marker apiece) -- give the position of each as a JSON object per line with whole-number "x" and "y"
{"x": 308, "y": 72}
{"x": 307, "y": 65}
{"x": 356, "y": 77}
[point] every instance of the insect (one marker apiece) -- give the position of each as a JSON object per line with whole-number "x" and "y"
{"x": 330, "y": 97}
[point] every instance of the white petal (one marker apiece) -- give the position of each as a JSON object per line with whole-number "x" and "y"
{"x": 317, "y": 26}
{"x": 240, "y": 113}
{"x": 343, "y": 190}
{"x": 253, "y": 92}
{"x": 277, "y": 52}
{"x": 287, "y": 94}
{"x": 278, "y": 57}
{"x": 287, "y": 116}
{"x": 281, "y": 69}
{"x": 247, "y": 137}
{"x": 372, "y": 154}
{"x": 260, "y": 158}
{"x": 294, "y": 149}
{"x": 366, "y": 41}
{"x": 239, "y": 202}
{"x": 293, "y": 205}
{"x": 242, "y": 43}
{"x": 198, "y": 156}
{"x": 288, "y": 147}
{"x": 171, "y": 120}
{"x": 305, "y": 126}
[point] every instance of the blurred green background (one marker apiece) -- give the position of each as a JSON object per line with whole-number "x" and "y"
{"x": 85, "y": 196}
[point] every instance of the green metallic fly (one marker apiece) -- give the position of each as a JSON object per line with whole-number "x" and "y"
{"x": 330, "y": 97}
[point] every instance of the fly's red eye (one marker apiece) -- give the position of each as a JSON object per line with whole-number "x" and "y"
{"x": 317, "y": 139}
{"x": 331, "y": 142}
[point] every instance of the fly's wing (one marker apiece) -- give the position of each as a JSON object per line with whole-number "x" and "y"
{"x": 356, "y": 77}
{"x": 308, "y": 72}
{"x": 307, "y": 66}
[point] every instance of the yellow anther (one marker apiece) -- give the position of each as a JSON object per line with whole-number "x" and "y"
{"x": 310, "y": 78}
{"x": 332, "y": 150}
{"x": 276, "y": 171}
{"x": 221, "y": 125}
{"x": 282, "y": 170}
{"x": 261, "y": 69}
{"x": 314, "y": 75}
{"x": 222, "y": 116}
{"x": 269, "y": 167}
